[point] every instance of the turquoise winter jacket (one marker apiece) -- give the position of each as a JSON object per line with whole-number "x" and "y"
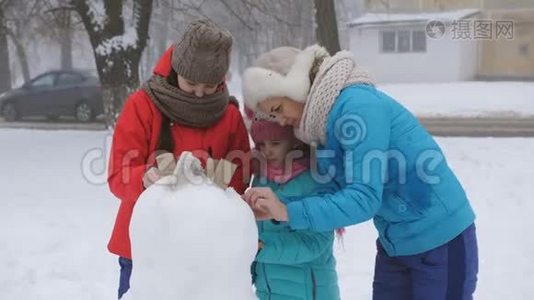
{"x": 389, "y": 168}
{"x": 295, "y": 264}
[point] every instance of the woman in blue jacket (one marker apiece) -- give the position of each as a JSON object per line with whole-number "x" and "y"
{"x": 385, "y": 165}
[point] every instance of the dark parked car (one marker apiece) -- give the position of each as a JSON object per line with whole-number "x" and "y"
{"x": 57, "y": 93}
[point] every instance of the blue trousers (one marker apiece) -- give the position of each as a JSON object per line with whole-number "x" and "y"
{"x": 448, "y": 272}
{"x": 126, "y": 272}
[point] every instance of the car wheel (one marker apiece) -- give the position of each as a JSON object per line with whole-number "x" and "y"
{"x": 84, "y": 112}
{"x": 10, "y": 113}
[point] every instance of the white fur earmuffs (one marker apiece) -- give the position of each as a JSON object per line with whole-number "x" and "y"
{"x": 260, "y": 84}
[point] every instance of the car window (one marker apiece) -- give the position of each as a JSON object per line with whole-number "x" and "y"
{"x": 44, "y": 81}
{"x": 69, "y": 79}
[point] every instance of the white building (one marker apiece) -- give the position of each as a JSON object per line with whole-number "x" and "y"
{"x": 419, "y": 47}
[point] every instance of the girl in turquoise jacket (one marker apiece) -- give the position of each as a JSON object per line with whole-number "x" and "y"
{"x": 290, "y": 264}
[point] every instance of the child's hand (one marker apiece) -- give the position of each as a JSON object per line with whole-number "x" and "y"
{"x": 259, "y": 214}
{"x": 260, "y": 245}
{"x": 265, "y": 200}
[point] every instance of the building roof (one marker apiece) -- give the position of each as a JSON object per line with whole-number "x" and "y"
{"x": 404, "y": 18}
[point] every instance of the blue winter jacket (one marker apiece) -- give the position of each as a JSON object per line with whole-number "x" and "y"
{"x": 295, "y": 264}
{"x": 387, "y": 167}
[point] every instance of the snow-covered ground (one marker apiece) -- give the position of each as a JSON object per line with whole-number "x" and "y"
{"x": 56, "y": 216}
{"x": 465, "y": 99}
{"x": 457, "y": 99}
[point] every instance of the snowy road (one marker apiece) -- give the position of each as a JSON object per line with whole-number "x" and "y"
{"x": 480, "y": 127}
{"x": 44, "y": 124}
{"x": 438, "y": 126}
{"x": 471, "y": 108}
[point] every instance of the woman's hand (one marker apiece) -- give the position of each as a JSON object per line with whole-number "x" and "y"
{"x": 265, "y": 204}
{"x": 151, "y": 176}
{"x": 165, "y": 164}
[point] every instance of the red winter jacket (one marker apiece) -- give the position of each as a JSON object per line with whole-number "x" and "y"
{"x": 136, "y": 137}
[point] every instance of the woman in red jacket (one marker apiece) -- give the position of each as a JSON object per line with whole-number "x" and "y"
{"x": 184, "y": 106}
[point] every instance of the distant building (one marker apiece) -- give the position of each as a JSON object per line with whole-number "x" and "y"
{"x": 395, "y": 6}
{"x": 484, "y": 39}
{"x": 402, "y": 48}
{"x": 509, "y": 58}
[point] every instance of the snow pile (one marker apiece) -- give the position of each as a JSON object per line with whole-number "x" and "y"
{"x": 191, "y": 239}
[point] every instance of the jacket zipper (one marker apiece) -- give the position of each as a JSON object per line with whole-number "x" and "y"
{"x": 314, "y": 285}
{"x": 263, "y": 267}
{"x": 266, "y": 281}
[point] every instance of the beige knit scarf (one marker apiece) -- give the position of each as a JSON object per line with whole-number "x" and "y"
{"x": 335, "y": 74}
{"x": 184, "y": 108}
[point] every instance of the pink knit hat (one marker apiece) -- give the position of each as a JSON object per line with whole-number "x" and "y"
{"x": 265, "y": 130}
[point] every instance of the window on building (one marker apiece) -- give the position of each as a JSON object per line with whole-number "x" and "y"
{"x": 388, "y": 41}
{"x": 418, "y": 41}
{"x": 403, "y": 41}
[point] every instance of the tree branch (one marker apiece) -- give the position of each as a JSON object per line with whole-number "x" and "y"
{"x": 235, "y": 14}
{"x": 185, "y": 8}
{"x": 5, "y": 3}
{"x": 144, "y": 11}
{"x": 21, "y": 53}
{"x": 81, "y": 7}
{"x": 59, "y": 8}
{"x": 271, "y": 12}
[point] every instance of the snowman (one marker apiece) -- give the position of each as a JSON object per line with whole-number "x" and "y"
{"x": 192, "y": 237}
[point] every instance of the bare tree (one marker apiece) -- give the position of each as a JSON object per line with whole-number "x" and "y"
{"x": 21, "y": 54}
{"x": 167, "y": 22}
{"x": 5, "y": 70}
{"x": 262, "y": 25}
{"x": 327, "y": 32}
{"x": 162, "y": 13}
{"x": 118, "y": 44}
{"x": 26, "y": 21}
{"x": 22, "y": 28}
{"x": 58, "y": 25}
{"x": 257, "y": 25}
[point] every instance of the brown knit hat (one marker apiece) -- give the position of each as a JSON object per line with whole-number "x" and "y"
{"x": 203, "y": 53}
